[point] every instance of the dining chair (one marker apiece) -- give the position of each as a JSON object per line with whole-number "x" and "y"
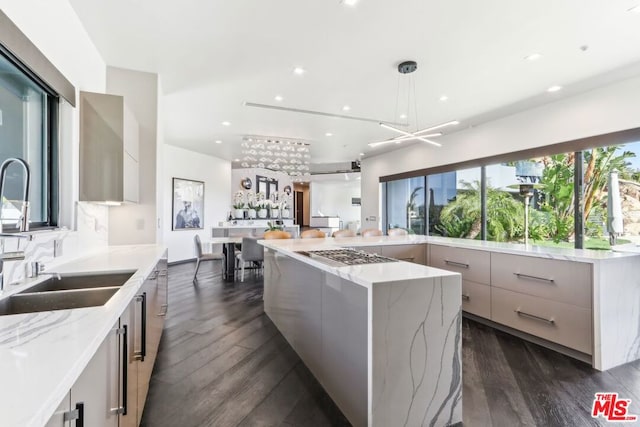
{"x": 312, "y": 234}
{"x": 343, "y": 233}
{"x": 200, "y": 256}
{"x": 371, "y": 232}
{"x": 397, "y": 232}
{"x": 251, "y": 252}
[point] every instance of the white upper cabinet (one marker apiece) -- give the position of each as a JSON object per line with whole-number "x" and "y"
{"x": 109, "y": 152}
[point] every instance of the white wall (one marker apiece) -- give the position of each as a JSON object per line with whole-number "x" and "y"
{"x": 334, "y": 199}
{"x": 132, "y": 224}
{"x": 216, "y": 174}
{"x": 55, "y": 29}
{"x": 607, "y": 109}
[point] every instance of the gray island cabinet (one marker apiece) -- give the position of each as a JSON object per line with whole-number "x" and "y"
{"x": 383, "y": 339}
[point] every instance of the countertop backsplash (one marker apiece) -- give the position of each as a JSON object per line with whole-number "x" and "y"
{"x": 91, "y": 235}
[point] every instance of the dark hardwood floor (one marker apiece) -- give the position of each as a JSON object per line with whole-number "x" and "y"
{"x": 223, "y": 363}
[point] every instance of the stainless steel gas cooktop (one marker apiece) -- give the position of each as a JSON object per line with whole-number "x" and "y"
{"x": 341, "y": 257}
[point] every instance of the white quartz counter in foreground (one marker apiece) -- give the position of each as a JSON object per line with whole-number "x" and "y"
{"x": 43, "y": 354}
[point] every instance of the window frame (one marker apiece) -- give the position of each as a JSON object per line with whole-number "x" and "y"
{"x": 49, "y": 148}
{"x": 576, "y": 147}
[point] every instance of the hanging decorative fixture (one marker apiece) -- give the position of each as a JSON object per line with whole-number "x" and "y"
{"x": 279, "y": 154}
{"x": 407, "y": 68}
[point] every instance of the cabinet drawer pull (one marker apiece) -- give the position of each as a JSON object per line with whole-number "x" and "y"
{"x": 466, "y": 297}
{"x": 456, "y": 264}
{"x": 526, "y": 276}
{"x": 125, "y": 365}
{"x": 533, "y": 316}
{"x": 143, "y": 330}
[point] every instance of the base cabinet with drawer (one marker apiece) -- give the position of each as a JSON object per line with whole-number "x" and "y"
{"x": 547, "y": 298}
{"x": 112, "y": 389}
{"x": 409, "y": 253}
{"x": 474, "y": 266}
{"x": 564, "y": 324}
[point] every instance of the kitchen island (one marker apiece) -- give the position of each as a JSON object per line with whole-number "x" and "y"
{"x": 382, "y": 338}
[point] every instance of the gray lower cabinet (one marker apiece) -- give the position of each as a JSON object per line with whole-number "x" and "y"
{"x": 94, "y": 398}
{"x": 409, "y": 253}
{"x": 112, "y": 389}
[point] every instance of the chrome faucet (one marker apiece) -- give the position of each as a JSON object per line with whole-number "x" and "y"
{"x": 24, "y": 211}
{"x": 24, "y": 215}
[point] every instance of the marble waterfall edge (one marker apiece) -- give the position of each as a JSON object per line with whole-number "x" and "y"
{"x": 416, "y": 376}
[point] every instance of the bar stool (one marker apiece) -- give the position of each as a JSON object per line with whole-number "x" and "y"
{"x": 312, "y": 234}
{"x": 371, "y": 232}
{"x": 343, "y": 233}
{"x": 397, "y": 232}
{"x": 276, "y": 234}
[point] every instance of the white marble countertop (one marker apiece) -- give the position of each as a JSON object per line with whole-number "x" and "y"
{"x": 581, "y": 255}
{"x": 366, "y": 275}
{"x": 43, "y": 354}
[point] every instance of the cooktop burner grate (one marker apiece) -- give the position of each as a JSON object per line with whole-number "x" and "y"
{"x": 350, "y": 256}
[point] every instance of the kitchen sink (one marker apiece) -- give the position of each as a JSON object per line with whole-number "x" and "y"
{"x": 81, "y": 282}
{"x": 32, "y": 302}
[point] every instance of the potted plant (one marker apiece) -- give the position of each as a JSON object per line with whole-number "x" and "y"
{"x": 275, "y": 210}
{"x": 251, "y": 213}
{"x": 262, "y": 209}
{"x": 252, "y": 205}
{"x": 238, "y": 205}
{"x": 275, "y": 205}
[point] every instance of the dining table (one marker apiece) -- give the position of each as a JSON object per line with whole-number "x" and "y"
{"x": 228, "y": 249}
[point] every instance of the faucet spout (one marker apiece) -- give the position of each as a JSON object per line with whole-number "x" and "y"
{"x": 24, "y": 214}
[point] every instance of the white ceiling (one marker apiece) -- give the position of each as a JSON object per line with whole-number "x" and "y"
{"x": 214, "y": 55}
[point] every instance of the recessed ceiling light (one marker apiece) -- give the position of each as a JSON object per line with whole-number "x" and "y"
{"x": 350, "y": 2}
{"x": 444, "y": 98}
{"x": 362, "y": 154}
{"x": 299, "y": 71}
{"x": 554, "y": 88}
{"x": 218, "y": 142}
{"x": 236, "y": 160}
{"x": 346, "y": 108}
{"x": 403, "y": 116}
{"x": 278, "y": 98}
{"x": 635, "y": 9}
{"x": 533, "y": 57}
{"x": 225, "y": 123}
{"x": 328, "y": 134}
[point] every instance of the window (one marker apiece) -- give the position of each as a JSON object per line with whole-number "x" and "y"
{"x": 455, "y": 207}
{"x": 27, "y": 123}
{"x": 405, "y": 205}
{"x": 598, "y": 163}
{"x": 454, "y": 204}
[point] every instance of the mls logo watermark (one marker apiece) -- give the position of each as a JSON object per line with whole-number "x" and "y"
{"x": 612, "y": 409}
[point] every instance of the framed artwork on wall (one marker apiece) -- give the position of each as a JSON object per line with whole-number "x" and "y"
{"x": 187, "y": 204}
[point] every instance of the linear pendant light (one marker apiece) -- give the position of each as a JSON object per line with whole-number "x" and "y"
{"x": 409, "y": 134}
{"x": 408, "y": 67}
